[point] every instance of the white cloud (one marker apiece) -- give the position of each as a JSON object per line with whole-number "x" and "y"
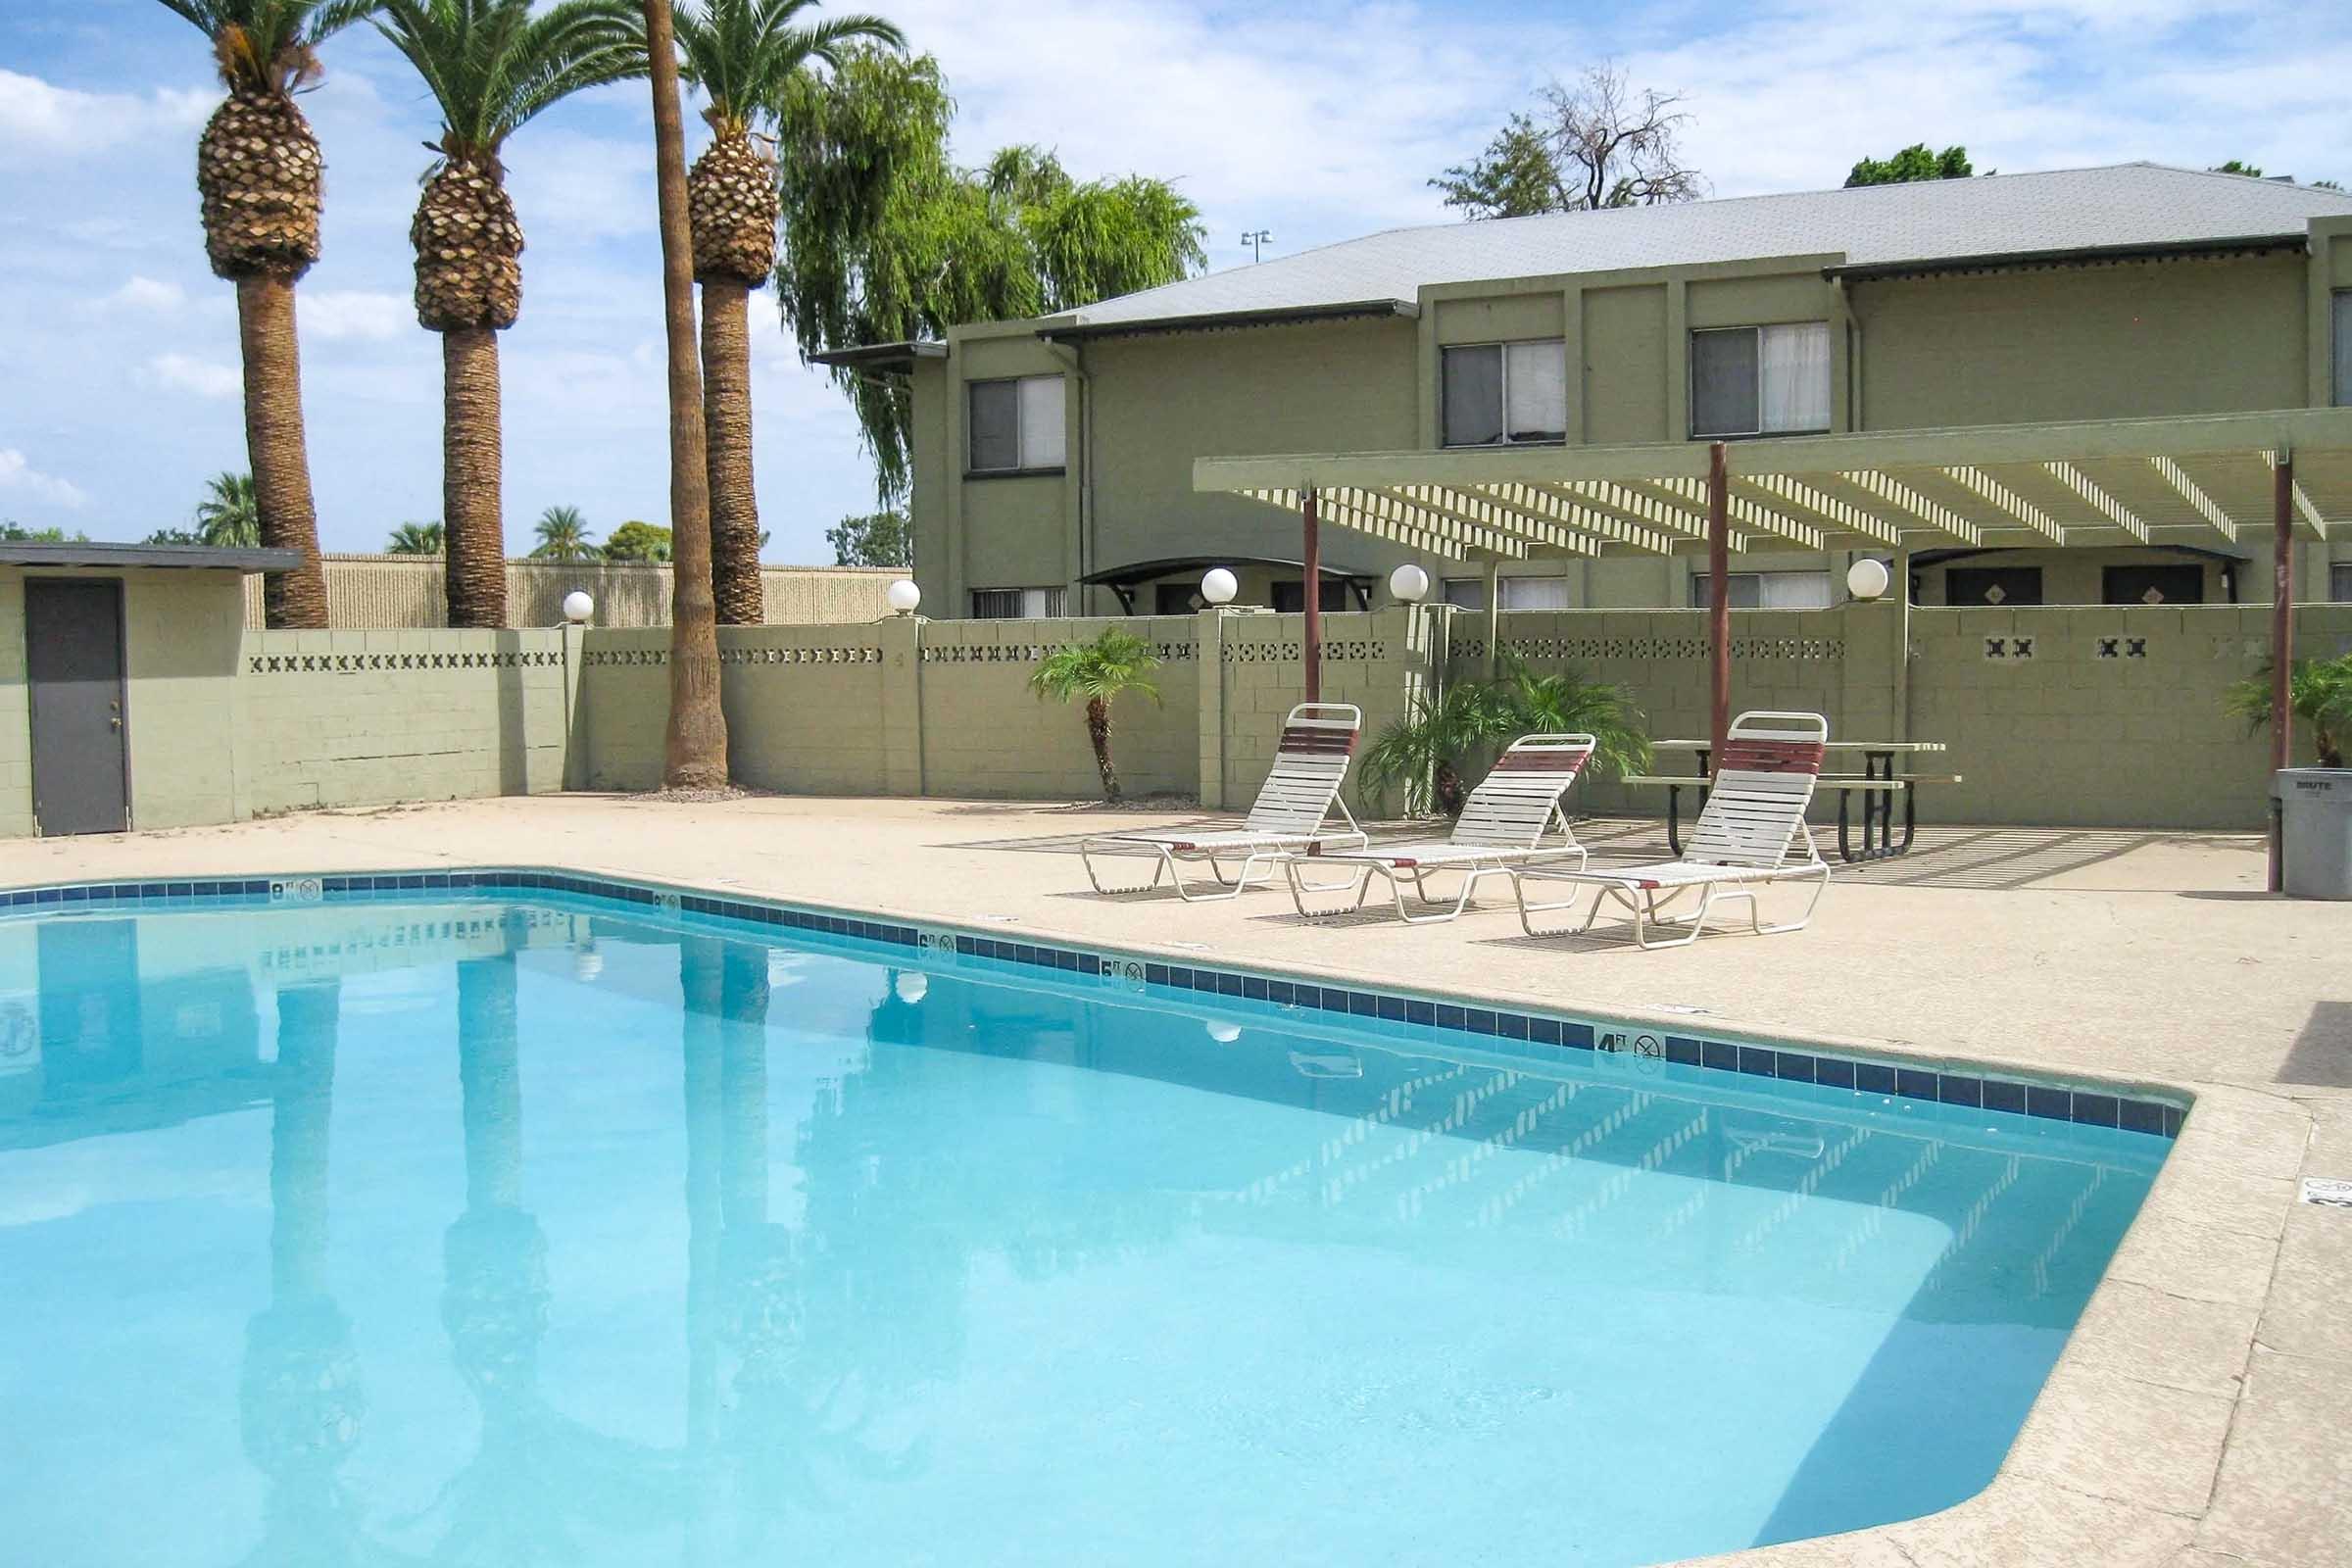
{"x": 18, "y": 475}
{"x": 146, "y": 296}
{"x": 335, "y": 314}
{"x": 181, "y": 373}
{"x": 40, "y": 118}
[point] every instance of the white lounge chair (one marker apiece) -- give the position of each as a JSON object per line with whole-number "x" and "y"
{"x": 1293, "y": 811}
{"x": 1502, "y": 826}
{"x": 1750, "y": 834}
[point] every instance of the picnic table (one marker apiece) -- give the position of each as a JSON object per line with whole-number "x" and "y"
{"x": 1879, "y": 784}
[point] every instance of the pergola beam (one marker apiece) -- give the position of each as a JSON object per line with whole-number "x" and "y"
{"x": 1985, "y": 487}
{"x": 1835, "y": 513}
{"x": 1548, "y": 504}
{"x": 2198, "y": 501}
{"x": 1488, "y": 517}
{"x": 1635, "y": 506}
{"x": 1934, "y": 513}
{"x": 1751, "y": 516}
{"x": 2105, "y": 505}
{"x": 2300, "y": 500}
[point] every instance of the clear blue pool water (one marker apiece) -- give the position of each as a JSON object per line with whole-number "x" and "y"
{"x": 553, "y": 1231}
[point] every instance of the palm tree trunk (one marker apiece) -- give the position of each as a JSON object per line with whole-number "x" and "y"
{"x": 473, "y": 534}
{"x": 275, "y": 447}
{"x": 694, "y": 746}
{"x": 727, "y": 429}
{"x": 1097, "y": 731}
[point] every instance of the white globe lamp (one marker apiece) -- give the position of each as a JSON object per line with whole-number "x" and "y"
{"x": 911, "y": 988}
{"x": 1866, "y": 579}
{"x": 1218, "y": 586}
{"x": 578, "y": 607}
{"x": 1408, "y": 584}
{"x": 903, "y": 596}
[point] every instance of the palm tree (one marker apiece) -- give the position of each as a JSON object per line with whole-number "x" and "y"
{"x": 741, "y": 53}
{"x": 416, "y": 539}
{"x": 1099, "y": 672}
{"x": 694, "y": 744}
{"x": 2319, "y": 693}
{"x": 258, "y": 170}
{"x": 563, "y": 536}
{"x": 1423, "y": 753}
{"x": 228, "y": 515}
{"x": 490, "y": 66}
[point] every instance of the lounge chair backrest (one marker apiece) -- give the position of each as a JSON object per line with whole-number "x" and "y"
{"x": 1310, "y": 760}
{"x": 1517, "y": 800}
{"x": 1763, "y": 783}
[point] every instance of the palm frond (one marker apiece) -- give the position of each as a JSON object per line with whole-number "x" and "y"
{"x": 1115, "y": 662}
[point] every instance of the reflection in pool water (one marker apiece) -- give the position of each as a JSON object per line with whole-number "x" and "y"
{"x": 386, "y": 1233}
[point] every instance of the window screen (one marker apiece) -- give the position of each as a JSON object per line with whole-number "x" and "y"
{"x": 1536, "y": 391}
{"x": 995, "y": 442}
{"x": 1535, "y": 593}
{"x": 1723, "y": 383}
{"x": 2343, "y": 348}
{"x": 1473, "y": 395}
{"x": 1769, "y": 590}
{"x": 1040, "y": 421}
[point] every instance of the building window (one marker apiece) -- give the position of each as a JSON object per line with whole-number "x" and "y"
{"x": 1016, "y": 604}
{"x": 1290, "y": 598}
{"x": 2339, "y": 582}
{"x": 1176, "y": 599}
{"x": 1518, "y": 592}
{"x": 1015, "y": 425}
{"x": 1760, "y": 381}
{"x": 1768, "y": 590}
{"x": 1497, "y": 394}
{"x": 2343, "y": 348}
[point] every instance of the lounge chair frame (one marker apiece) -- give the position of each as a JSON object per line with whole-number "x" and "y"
{"x": 1747, "y": 839}
{"x": 1501, "y": 828}
{"x": 1291, "y": 812}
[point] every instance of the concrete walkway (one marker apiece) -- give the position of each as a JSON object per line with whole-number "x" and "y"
{"x": 2202, "y": 1412}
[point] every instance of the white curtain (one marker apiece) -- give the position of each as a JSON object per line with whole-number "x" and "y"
{"x": 1793, "y": 590}
{"x": 1537, "y": 390}
{"x": 1040, "y": 421}
{"x": 1535, "y": 593}
{"x": 1796, "y": 366}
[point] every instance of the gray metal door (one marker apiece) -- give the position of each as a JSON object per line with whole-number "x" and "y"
{"x": 73, "y": 659}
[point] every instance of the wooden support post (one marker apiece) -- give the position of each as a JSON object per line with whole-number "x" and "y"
{"x": 1719, "y": 594}
{"x": 2282, "y": 640}
{"x": 1311, "y": 552}
{"x": 1493, "y": 617}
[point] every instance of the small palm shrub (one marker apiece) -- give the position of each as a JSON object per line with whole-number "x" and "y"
{"x": 1099, "y": 672}
{"x": 1422, "y": 754}
{"x": 2319, "y": 693}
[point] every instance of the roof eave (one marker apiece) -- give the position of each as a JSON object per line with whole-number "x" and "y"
{"x": 195, "y": 557}
{"x": 1232, "y": 320}
{"x": 886, "y": 357}
{"x": 2076, "y": 256}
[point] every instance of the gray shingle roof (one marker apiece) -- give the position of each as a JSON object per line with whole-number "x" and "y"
{"x": 2125, "y": 204}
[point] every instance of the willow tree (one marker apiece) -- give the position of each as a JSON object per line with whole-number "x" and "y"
{"x": 258, "y": 171}
{"x": 490, "y": 66}
{"x": 886, "y": 238}
{"x": 741, "y": 53}
{"x": 694, "y": 751}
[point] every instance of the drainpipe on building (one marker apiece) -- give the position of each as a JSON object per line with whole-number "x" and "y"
{"x": 1074, "y": 357}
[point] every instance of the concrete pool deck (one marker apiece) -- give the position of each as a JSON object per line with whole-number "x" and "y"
{"x": 2201, "y": 1415}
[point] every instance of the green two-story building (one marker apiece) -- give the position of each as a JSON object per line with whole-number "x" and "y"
{"x": 1054, "y": 458}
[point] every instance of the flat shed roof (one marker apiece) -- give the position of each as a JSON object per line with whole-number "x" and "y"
{"x": 207, "y": 557}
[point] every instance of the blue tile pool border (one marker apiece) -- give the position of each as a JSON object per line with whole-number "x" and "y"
{"x": 2047, "y": 1100}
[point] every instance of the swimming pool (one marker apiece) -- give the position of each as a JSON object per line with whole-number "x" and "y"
{"x": 518, "y": 1218}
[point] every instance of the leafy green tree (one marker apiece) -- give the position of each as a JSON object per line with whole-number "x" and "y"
{"x": 562, "y": 535}
{"x": 1595, "y": 144}
{"x": 1422, "y": 754}
{"x": 490, "y": 66}
{"x": 886, "y": 238}
{"x": 2236, "y": 165}
{"x": 1115, "y": 662}
{"x": 174, "y": 536}
{"x": 15, "y": 534}
{"x": 416, "y": 539}
{"x": 2319, "y": 693}
{"x": 875, "y": 539}
{"x": 637, "y": 541}
{"x": 228, "y": 514}
{"x": 1914, "y": 163}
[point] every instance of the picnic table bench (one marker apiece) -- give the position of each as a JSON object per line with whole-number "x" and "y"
{"x": 1877, "y": 784}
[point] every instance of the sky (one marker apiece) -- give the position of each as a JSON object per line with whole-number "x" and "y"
{"x": 119, "y": 380}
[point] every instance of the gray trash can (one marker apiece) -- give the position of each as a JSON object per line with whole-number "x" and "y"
{"x": 2314, "y": 811}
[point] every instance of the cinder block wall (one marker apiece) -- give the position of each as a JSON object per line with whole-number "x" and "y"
{"x": 405, "y": 592}
{"x": 367, "y": 717}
